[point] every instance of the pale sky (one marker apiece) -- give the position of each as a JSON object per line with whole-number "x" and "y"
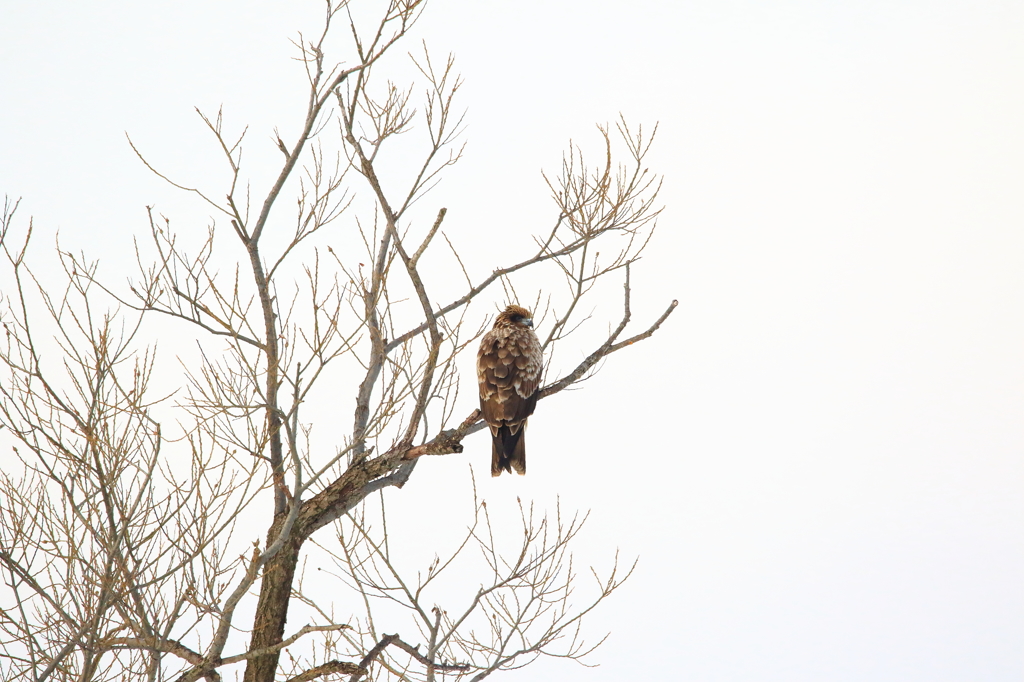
{"x": 819, "y": 459}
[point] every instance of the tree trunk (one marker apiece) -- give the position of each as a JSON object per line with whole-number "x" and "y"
{"x": 272, "y": 608}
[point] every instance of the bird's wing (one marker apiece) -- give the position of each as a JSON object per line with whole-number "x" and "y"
{"x": 508, "y": 374}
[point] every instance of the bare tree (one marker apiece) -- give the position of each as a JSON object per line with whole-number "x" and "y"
{"x": 124, "y": 528}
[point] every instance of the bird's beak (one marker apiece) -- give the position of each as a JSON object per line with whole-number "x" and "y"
{"x": 528, "y": 322}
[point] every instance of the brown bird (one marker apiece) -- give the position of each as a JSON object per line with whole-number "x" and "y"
{"x": 508, "y": 369}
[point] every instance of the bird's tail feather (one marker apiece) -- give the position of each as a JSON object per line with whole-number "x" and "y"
{"x": 508, "y": 451}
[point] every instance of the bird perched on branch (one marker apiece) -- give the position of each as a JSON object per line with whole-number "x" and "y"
{"x": 508, "y": 369}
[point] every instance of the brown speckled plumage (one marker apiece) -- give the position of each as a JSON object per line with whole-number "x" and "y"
{"x": 508, "y": 369}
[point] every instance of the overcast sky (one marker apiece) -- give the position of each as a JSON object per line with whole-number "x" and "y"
{"x": 819, "y": 459}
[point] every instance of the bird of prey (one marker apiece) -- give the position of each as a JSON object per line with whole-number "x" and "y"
{"x": 508, "y": 369}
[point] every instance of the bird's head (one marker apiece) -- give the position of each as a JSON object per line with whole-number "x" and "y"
{"x": 515, "y": 316}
